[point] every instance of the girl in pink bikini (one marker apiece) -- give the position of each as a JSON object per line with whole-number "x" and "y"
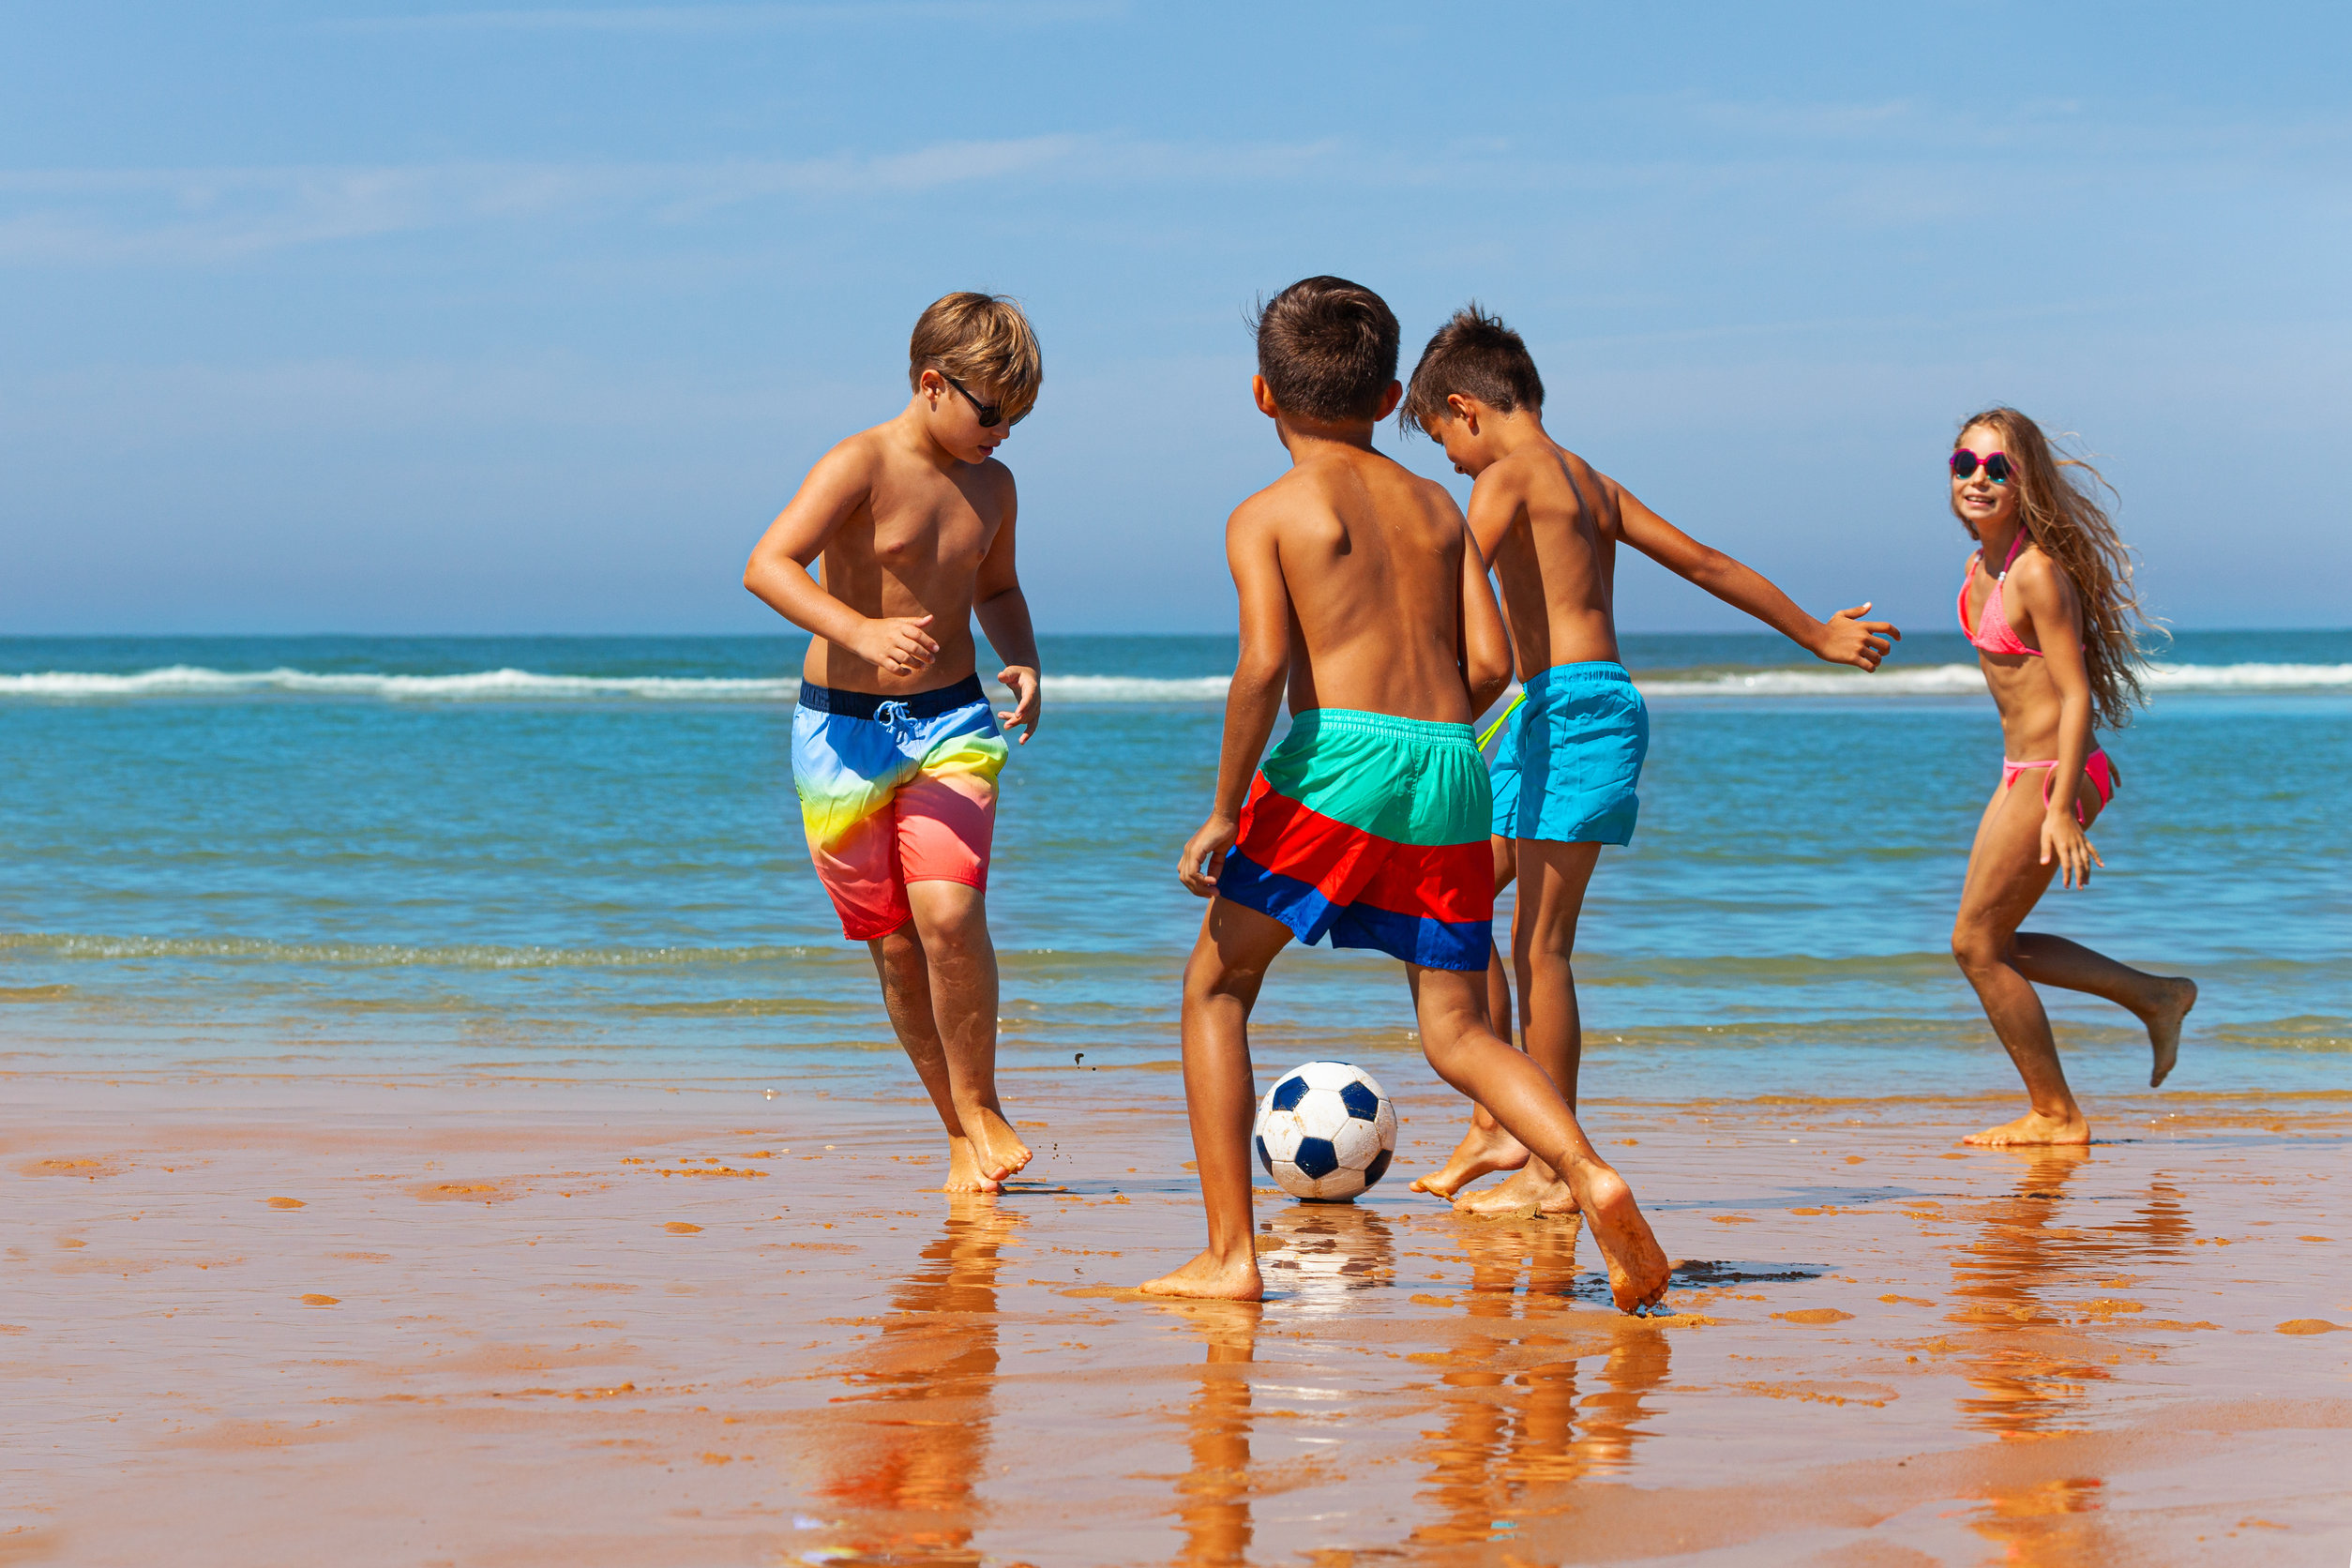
{"x": 2055, "y": 625}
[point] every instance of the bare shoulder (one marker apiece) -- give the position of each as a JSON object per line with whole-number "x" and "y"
{"x": 859, "y": 456}
{"x": 1585, "y": 475}
{"x": 995, "y": 481}
{"x": 1267, "y": 509}
{"x": 2040, "y": 578}
{"x": 1501, "y": 482}
{"x": 1432, "y": 495}
{"x": 1602, "y": 496}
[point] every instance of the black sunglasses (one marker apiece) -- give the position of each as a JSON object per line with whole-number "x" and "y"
{"x": 1997, "y": 467}
{"x": 991, "y": 415}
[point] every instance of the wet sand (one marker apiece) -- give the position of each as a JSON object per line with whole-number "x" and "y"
{"x": 483, "y": 1320}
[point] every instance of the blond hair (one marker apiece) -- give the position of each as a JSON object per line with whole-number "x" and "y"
{"x": 2062, "y": 516}
{"x": 984, "y": 342}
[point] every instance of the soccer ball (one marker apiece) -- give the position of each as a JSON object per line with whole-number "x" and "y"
{"x": 1325, "y": 1132}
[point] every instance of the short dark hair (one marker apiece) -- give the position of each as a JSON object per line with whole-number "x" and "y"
{"x": 1327, "y": 349}
{"x": 1477, "y": 356}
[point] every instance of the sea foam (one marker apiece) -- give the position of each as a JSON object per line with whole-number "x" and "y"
{"x": 186, "y": 681}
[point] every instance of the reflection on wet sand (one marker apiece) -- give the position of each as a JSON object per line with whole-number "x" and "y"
{"x": 1212, "y": 1496}
{"x": 1316, "y": 1255}
{"x": 909, "y": 1449}
{"x": 2034, "y": 1365}
{"x": 1514, "y": 1424}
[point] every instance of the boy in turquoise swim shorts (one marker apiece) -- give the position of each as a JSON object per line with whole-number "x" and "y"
{"x": 1569, "y": 766}
{"x": 895, "y": 750}
{"x": 1362, "y": 598}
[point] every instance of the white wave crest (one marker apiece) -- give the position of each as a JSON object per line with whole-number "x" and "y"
{"x": 1137, "y": 688}
{"x": 181, "y": 680}
{"x": 1967, "y": 680}
{"x": 1940, "y": 680}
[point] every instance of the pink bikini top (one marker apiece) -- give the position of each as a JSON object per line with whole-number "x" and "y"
{"x": 1993, "y": 631}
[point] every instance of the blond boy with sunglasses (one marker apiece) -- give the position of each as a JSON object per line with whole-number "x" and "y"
{"x": 896, "y": 751}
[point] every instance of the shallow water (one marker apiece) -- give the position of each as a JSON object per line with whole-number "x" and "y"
{"x": 580, "y": 854}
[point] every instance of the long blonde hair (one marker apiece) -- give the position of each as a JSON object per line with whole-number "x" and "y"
{"x": 2062, "y": 514}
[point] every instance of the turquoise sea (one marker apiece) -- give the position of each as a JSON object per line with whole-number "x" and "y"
{"x": 581, "y": 856}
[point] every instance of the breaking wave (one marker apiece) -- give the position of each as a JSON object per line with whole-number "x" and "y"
{"x": 195, "y": 680}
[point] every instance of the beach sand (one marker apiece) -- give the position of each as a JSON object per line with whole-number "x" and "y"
{"x": 491, "y": 1320}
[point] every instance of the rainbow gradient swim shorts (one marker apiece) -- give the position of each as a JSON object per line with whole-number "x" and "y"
{"x": 894, "y": 790}
{"x": 1371, "y": 830}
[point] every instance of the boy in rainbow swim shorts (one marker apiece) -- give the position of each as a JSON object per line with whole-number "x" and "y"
{"x": 895, "y": 750}
{"x": 1567, "y": 771}
{"x": 1362, "y": 596}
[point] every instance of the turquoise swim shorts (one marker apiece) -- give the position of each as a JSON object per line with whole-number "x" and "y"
{"x": 1569, "y": 761}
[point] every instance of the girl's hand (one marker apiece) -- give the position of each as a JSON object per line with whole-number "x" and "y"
{"x": 2063, "y": 839}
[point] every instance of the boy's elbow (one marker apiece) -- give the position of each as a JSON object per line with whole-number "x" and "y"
{"x": 1259, "y": 674}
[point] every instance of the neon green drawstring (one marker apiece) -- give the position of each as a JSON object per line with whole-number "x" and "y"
{"x": 1496, "y": 728}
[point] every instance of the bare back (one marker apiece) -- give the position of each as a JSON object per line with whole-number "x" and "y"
{"x": 1371, "y": 558}
{"x": 1549, "y": 524}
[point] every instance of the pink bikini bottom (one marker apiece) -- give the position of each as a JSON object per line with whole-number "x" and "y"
{"x": 2095, "y": 767}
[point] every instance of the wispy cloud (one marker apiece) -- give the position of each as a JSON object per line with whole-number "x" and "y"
{"x": 740, "y": 18}
{"x": 216, "y": 215}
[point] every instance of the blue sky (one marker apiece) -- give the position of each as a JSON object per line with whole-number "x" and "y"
{"x": 401, "y": 316}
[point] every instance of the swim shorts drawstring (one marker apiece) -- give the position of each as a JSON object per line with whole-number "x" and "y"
{"x": 900, "y": 719}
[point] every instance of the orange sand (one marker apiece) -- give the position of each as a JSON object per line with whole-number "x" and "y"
{"x": 491, "y": 1322}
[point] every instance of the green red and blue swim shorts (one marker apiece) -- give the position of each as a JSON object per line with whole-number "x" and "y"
{"x": 1370, "y": 830}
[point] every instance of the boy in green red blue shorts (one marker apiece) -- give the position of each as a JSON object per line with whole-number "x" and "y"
{"x": 1363, "y": 596}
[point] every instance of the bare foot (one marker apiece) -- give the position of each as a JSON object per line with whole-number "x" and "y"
{"x": 1482, "y": 1151}
{"x": 1637, "y": 1266}
{"x": 2164, "y": 1027}
{"x": 2032, "y": 1127}
{"x": 963, "y": 1169}
{"x": 1533, "y": 1191}
{"x": 996, "y": 1151}
{"x": 1205, "y": 1278}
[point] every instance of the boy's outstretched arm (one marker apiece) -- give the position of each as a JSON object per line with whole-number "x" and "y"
{"x": 1842, "y": 639}
{"x": 777, "y": 573}
{"x": 1254, "y": 701}
{"x": 1003, "y": 612}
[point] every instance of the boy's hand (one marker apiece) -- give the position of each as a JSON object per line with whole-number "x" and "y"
{"x": 2063, "y": 838}
{"x": 1861, "y": 643}
{"x": 1210, "y": 844}
{"x": 1026, "y": 693}
{"x": 896, "y": 644}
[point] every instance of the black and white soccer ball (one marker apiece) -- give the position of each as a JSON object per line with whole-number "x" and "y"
{"x": 1325, "y": 1131}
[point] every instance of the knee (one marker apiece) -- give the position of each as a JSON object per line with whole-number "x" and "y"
{"x": 951, "y": 927}
{"x": 1449, "y": 1039}
{"x": 900, "y": 949}
{"x": 1978, "y": 948}
{"x": 1208, "y": 977}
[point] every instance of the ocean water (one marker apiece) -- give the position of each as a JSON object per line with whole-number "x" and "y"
{"x": 581, "y": 856}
